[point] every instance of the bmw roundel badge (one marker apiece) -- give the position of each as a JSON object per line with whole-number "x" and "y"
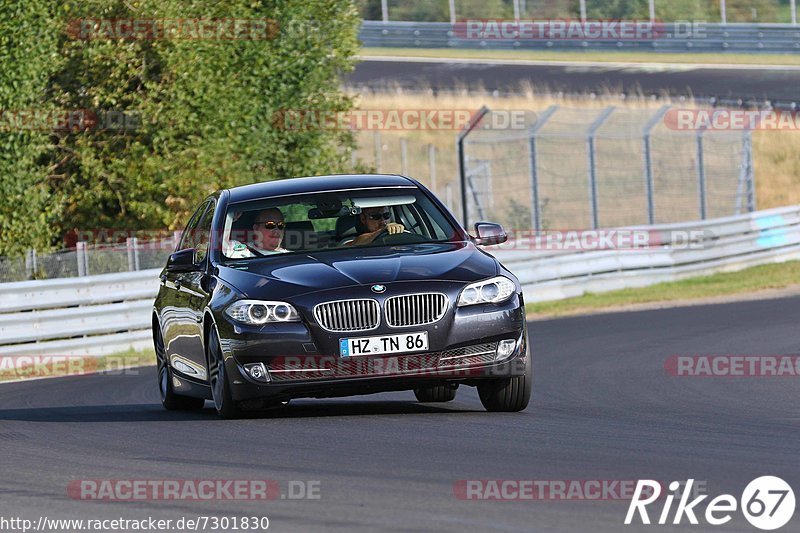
{"x": 379, "y": 288}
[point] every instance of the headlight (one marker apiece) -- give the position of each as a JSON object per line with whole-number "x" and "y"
{"x": 256, "y": 312}
{"x": 490, "y": 291}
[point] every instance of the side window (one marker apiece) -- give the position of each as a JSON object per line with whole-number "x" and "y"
{"x": 203, "y": 234}
{"x": 187, "y": 238}
{"x": 411, "y": 220}
{"x": 420, "y": 221}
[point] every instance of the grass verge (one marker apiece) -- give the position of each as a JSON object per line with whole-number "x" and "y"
{"x": 751, "y": 280}
{"x": 13, "y": 368}
{"x": 599, "y": 57}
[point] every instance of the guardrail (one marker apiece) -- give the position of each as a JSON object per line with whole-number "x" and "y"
{"x": 92, "y": 315}
{"x": 722, "y": 244}
{"x": 103, "y": 314}
{"x": 676, "y": 37}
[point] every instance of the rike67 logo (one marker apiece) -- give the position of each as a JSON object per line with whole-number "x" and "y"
{"x": 767, "y": 503}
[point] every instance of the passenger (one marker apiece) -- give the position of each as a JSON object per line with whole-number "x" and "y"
{"x": 265, "y": 239}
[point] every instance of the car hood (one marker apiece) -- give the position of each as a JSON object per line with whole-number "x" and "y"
{"x": 282, "y": 276}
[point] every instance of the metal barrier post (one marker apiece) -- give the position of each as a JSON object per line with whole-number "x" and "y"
{"x": 592, "y": 167}
{"x": 723, "y": 12}
{"x": 793, "y": 5}
{"x": 80, "y": 254}
{"x": 132, "y": 244}
{"x": 385, "y": 11}
{"x": 452, "y": 11}
{"x": 129, "y": 245}
{"x": 701, "y": 174}
{"x": 462, "y": 162}
{"x": 536, "y": 214}
{"x": 648, "y": 162}
{"x": 136, "y": 253}
{"x": 30, "y": 264}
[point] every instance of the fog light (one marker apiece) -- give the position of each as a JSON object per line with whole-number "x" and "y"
{"x": 505, "y": 349}
{"x": 257, "y": 371}
{"x": 180, "y": 366}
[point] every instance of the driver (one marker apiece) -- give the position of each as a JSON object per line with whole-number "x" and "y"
{"x": 265, "y": 239}
{"x": 374, "y": 221}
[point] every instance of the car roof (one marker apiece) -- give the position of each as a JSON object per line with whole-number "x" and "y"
{"x": 316, "y": 184}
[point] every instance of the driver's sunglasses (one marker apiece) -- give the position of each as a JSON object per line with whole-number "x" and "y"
{"x": 271, "y": 224}
{"x": 378, "y": 216}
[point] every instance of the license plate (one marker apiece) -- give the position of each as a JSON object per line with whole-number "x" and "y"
{"x": 402, "y": 343}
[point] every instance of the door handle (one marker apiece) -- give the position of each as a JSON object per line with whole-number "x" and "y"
{"x": 178, "y": 284}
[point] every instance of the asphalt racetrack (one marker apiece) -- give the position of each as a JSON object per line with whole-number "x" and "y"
{"x": 780, "y": 85}
{"x": 604, "y": 408}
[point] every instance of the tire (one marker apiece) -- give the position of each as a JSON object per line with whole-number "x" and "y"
{"x": 437, "y": 393}
{"x": 169, "y": 398}
{"x": 226, "y": 407}
{"x": 508, "y": 394}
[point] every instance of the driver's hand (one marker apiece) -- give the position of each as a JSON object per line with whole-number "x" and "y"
{"x": 393, "y": 228}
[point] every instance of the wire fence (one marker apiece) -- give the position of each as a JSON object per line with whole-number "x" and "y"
{"x": 88, "y": 259}
{"x": 579, "y": 168}
{"x": 592, "y": 168}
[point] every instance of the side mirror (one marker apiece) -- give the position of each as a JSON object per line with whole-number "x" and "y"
{"x": 182, "y": 261}
{"x": 489, "y": 233}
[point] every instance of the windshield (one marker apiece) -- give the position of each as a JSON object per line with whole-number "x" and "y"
{"x": 330, "y": 221}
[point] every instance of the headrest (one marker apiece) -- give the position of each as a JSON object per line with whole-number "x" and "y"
{"x": 348, "y": 225}
{"x": 299, "y": 235}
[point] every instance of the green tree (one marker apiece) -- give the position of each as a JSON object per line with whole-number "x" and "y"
{"x": 200, "y": 112}
{"x": 28, "y": 56}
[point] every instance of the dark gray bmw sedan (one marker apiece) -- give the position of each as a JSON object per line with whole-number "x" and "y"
{"x": 335, "y": 286}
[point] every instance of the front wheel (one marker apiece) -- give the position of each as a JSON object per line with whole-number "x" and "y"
{"x": 169, "y": 399}
{"x": 508, "y": 394}
{"x": 220, "y": 386}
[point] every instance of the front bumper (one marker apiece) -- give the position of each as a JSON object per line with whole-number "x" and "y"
{"x": 329, "y": 376}
{"x": 302, "y": 359}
